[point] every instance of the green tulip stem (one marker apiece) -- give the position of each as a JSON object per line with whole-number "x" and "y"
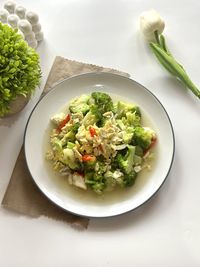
{"x": 170, "y": 64}
{"x": 156, "y": 34}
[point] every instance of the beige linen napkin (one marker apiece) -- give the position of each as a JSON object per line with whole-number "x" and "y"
{"x": 22, "y": 194}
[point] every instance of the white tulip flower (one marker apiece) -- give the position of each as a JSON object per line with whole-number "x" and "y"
{"x": 151, "y": 22}
{"x": 152, "y": 26}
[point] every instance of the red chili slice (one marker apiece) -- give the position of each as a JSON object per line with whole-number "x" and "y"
{"x": 88, "y": 158}
{"x": 92, "y": 131}
{"x": 63, "y": 123}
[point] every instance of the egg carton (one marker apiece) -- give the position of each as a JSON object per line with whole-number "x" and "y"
{"x": 27, "y": 22}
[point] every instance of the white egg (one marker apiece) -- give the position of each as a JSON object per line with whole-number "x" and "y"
{"x": 13, "y": 20}
{"x": 25, "y": 26}
{"x": 39, "y": 36}
{"x": 30, "y": 37}
{"x": 3, "y": 15}
{"x": 32, "y": 17}
{"x": 10, "y": 6}
{"x": 20, "y": 11}
{"x": 33, "y": 44}
{"x": 36, "y": 28}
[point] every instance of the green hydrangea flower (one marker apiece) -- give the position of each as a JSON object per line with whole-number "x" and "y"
{"x": 20, "y": 71}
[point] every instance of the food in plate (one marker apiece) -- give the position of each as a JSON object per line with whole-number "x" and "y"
{"x": 99, "y": 144}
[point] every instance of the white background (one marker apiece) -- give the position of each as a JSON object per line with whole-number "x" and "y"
{"x": 164, "y": 232}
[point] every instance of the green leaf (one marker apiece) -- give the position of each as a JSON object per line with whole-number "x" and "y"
{"x": 176, "y": 69}
{"x": 163, "y": 43}
{"x": 160, "y": 59}
{"x": 12, "y": 70}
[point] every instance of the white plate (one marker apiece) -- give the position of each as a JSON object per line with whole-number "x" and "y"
{"x": 56, "y": 188}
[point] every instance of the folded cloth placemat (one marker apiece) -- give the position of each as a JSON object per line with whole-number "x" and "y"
{"x": 22, "y": 194}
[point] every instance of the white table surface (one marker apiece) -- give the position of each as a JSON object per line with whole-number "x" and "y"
{"x": 165, "y": 231}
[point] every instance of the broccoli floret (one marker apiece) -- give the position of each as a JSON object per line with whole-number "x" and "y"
{"x": 127, "y": 174}
{"x": 70, "y": 136}
{"x": 97, "y": 176}
{"x": 143, "y": 137}
{"x": 129, "y": 179}
{"x": 110, "y": 180}
{"x": 121, "y": 124}
{"x": 113, "y": 178}
{"x": 94, "y": 169}
{"x": 100, "y": 167}
{"x": 69, "y": 159}
{"x": 95, "y": 179}
{"x": 79, "y": 104}
{"x": 130, "y": 119}
{"x": 122, "y": 109}
{"x": 88, "y": 176}
{"x": 133, "y": 119}
{"x": 56, "y": 144}
{"x": 95, "y": 112}
{"x": 98, "y": 187}
{"x": 127, "y": 134}
{"x": 139, "y": 151}
{"x": 103, "y": 101}
{"x": 126, "y": 163}
{"x": 70, "y": 145}
{"x": 75, "y": 127}
{"x": 100, "y": 103}
{"x": 89, "y": 165}
{"x": 127, "y": 115}
{"x": 115, "y": 160}
{"x": 89, "y": 119}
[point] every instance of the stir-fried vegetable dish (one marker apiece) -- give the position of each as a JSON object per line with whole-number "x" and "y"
{"x": 99, "y": 144}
